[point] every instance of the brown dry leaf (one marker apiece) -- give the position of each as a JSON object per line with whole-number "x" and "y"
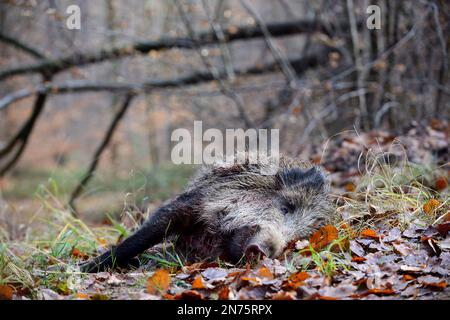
{"x": 189, "y": 295}
{"x": 323, "y": 237}
{"x": 443, "y": 228}
{"x": 431, "y": 245}
{"x": 6, "y": 292}
{"x": 168, "y": 296}
{"x": 224, "y": 293}
{"x": 264, "y": 272}
{"x": 431, "y": 205}
{"x": 198, "y": 283}
{"x": 283, "y": 295}
{"x": 159, "y": 282}
{"x": 295, "y": 280}
{"x": 369, "y": 233}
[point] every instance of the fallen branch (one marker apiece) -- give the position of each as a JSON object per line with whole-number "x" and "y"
{"x": 300, "y": 65}
{"x": 22, "y": 46}
{"x": 52, "y": 66}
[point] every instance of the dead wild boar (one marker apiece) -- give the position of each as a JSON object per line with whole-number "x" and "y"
{"x": 231, "y": 211}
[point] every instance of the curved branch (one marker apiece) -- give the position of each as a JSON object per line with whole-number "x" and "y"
{"x": 22, "y": 46}
{"x": 24, "y": 134}
{"x": 300, "y": 65}
{"x": 52, "y": 66}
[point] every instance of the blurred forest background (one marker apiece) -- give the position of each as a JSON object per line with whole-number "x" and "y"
{"x": 115, "y": 90}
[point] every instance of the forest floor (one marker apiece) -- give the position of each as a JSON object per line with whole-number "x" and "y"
{"x": 390, "y": 239}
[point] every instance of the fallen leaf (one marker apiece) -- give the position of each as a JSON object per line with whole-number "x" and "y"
{"x": 401, "y": 249}
{"x": 358, "y": 259}
{"x": 159, "y": 282}
{"x": 432, "y": 282}
{"x": 431, "y": 205}
{"x": 299, "y": 276}
{"x": 369, "y": 233}
{"x": 251, "y": 280}
{"x": 82, "y": 296}
{"x": 215, "y": 274}
{"x": 264, "y": 272}
{"x": 198, "y": 283}
{"x": 383, "y": 292}
{"x": 189, "y": 295}
{"x": 431, "y": 245}
{"x": 6, "y": 292}
{"x": 283, "y": 295}
{"x": 407, "y": 277}
{"x": 323, "y": 237}
{"x": 295, "y": 280}
{"x": 443, "y": 228}
{"x": 168, "y": 296}
{"x": 224, "y": 293}
{"x": 356, "y": 248}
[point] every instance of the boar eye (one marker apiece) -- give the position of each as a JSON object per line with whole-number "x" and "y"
{"x": 287, "y": 208}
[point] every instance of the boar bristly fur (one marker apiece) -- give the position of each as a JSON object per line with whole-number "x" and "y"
{"x": 232, "y": 210}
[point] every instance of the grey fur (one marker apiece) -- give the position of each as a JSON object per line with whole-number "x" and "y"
{"x": 229, "y": 208}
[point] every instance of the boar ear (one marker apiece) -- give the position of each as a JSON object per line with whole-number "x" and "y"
{"x": 310, "y": 178}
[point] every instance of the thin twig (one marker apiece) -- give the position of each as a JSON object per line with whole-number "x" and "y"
{"x": 101, "y": 148}
{"x": 226, "y": 89}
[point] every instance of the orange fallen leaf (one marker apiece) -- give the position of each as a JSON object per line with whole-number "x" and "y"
{"x": 407, "y": 277}
{"x": 168, "y": 296}
{"x": 198, "y": 283}
{"x": 383, "y": 292}
{"x": 326, "y": 298}
{"x": 6, "y": 292}
{"x": 224, "y": 293}
{"x": 323, "y": 237}
{"x": 295, "y": 280}
{"x": 83, "y": 296}
{"x": 430, "y": 206}
{"x": 436, "y": 285}
{"x": 264, "y": 272}
{"x": 358, "y": 259}
{"x": 159, "y": 282}
{"x": 369, "y": 233}
{"x": 299, "y": 276}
